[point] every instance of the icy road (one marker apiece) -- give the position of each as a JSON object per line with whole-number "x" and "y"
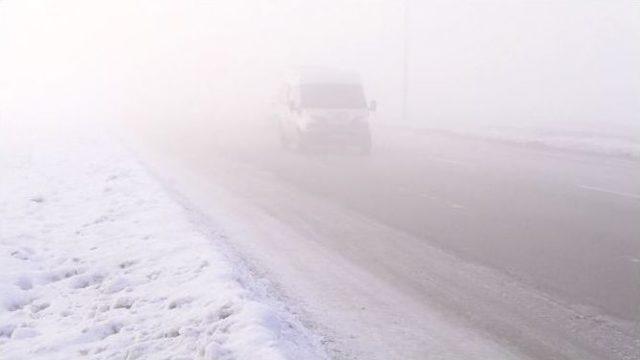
{"x": 434, "y": 247}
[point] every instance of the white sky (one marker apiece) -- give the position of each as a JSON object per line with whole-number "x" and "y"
{"x": 566, "y": 63}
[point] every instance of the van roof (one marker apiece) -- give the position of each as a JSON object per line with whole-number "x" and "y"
{"x": 317, "y": 75}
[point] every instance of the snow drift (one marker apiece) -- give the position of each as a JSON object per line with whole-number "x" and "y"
{"x": 99, "y": 261}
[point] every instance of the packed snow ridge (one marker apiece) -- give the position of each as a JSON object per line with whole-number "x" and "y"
{"x": 98, "y": 261}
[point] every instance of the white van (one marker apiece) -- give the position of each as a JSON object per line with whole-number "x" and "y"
{"x": 320, "y": 106}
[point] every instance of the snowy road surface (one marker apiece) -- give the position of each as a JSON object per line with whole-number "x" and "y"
{"x": 99, "y": 262}
{"x": 357, "y": 242}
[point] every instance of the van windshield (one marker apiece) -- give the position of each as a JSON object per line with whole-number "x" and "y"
{"x": 332, "y": 96}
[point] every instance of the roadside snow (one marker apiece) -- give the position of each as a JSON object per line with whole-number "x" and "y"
{"x": 99, "y": 261}
{"x": 607, "y": 143}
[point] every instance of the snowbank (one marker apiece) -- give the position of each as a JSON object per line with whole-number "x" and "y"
{"x": 99, "y": 261}
{"x": 596, "y": 143}
{"x": 604, "y": 143}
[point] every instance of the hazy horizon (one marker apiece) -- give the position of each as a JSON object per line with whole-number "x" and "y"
{"x": 568, "y": 64}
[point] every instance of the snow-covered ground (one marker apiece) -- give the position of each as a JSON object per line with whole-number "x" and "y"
{"x": 594, "y": 142}
{"x": 618, "y": 142}
{"x": 99, "y": 261}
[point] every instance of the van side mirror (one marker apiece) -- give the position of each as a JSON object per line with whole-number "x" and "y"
{"x": 373, "y": 105}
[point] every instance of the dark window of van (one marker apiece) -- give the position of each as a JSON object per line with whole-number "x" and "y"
{"x": 332, "y": 96}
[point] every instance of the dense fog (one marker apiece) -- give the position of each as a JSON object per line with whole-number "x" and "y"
{"x": 569, "y": 64}
{"x": 483, "y": 197}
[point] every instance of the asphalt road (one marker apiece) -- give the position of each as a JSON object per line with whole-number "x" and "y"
{"x": 566, "y": 222}
{"x": 545, "y": 243}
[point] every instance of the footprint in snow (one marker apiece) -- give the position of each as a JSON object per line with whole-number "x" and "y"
{"x": 127, "y": 263}
{"x": 36, "y": 307}
{"x": 116, "y": 285}
{"x": 23, "y": 253}
{"x": 61, "y": 274}
{"x": 16, "y": 302}
{"x": 7, "y": 330}
{"x": 179, "y": 302}
{"x": 24, "y": 283}
{"x": 24, "y": 333}
{"x": 83, "y": 281}
{"x": 124, "y": 302}
{"x": 101, "y": 331}
{"x": 38, "y": 199}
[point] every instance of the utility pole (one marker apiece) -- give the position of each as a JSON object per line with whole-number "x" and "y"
{"x": 405, "y": 61}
